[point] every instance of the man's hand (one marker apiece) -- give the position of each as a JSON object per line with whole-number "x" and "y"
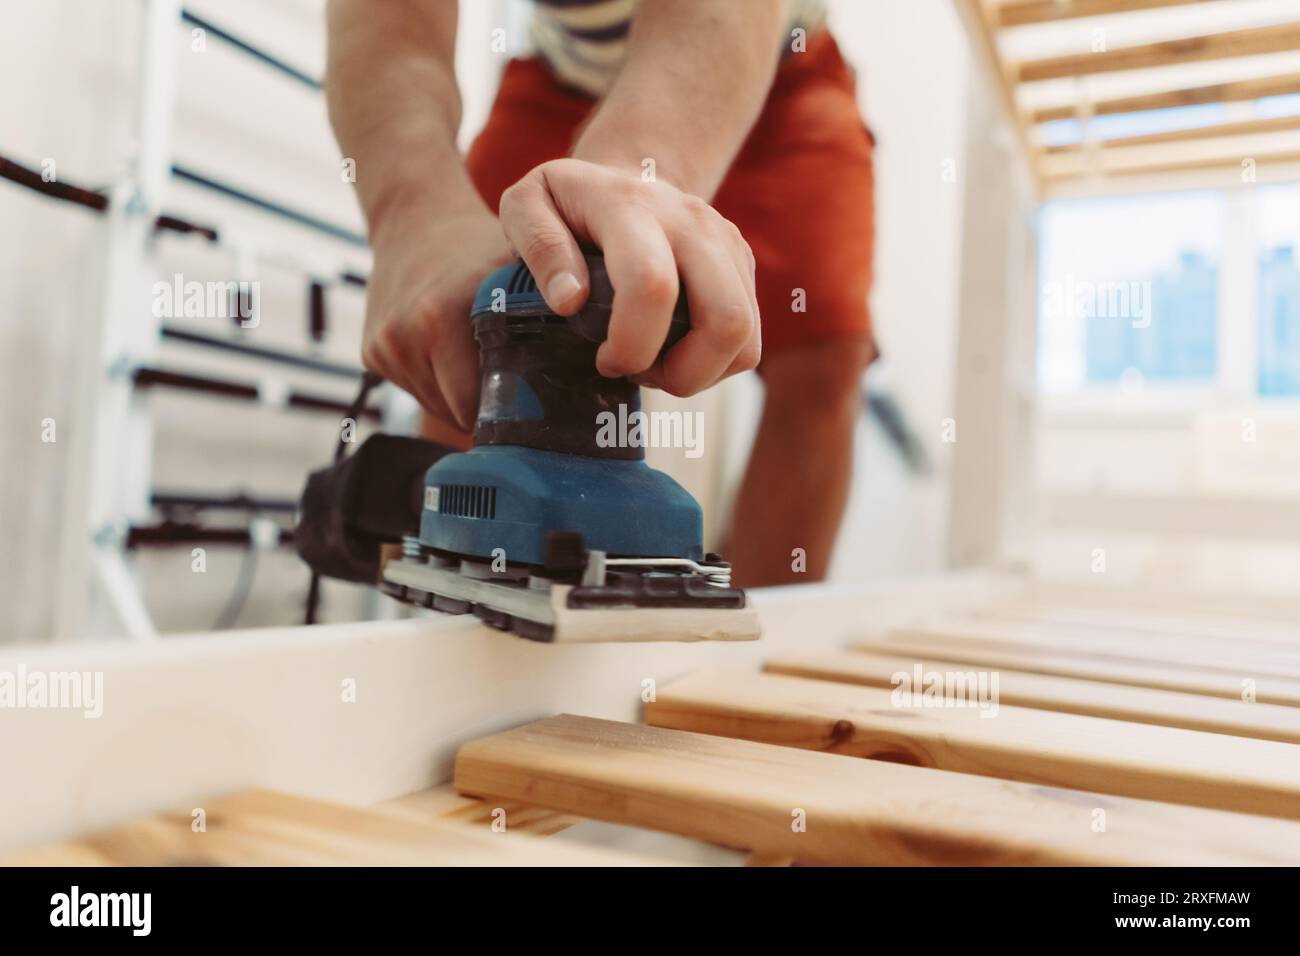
{"x": 650, "y": 234}
{"x": 417, "y": 332}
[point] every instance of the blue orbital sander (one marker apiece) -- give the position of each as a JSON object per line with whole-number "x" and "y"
{"x": 541, "y": 528}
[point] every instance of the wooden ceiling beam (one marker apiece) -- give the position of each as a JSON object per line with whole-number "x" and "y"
{"x": 1277, "y": 38}
{"x": 1235, "y": 91}
{"x": 1022, "y": 12}
{"x": 1272, "y": 124}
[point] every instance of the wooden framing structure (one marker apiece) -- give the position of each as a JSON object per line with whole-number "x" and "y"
{"x": 795, "y": 749}
{"x": 1204, "y": 150}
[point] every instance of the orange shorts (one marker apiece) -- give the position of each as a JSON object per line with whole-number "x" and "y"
{"x": 800, "y": 190}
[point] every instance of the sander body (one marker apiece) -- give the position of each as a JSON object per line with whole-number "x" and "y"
{"x": 545, "y": 528}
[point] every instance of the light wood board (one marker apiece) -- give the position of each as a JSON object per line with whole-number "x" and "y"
{"x": 1275, "y": 38}
{"x": 1234, "y": 91}
{"x": 264, "y": 828}
{"x": 1228, "y": 628}
{"x": 1166, "y": 675}
{"x": 752, "y": 796}
{"x": 444, "y": 805}
{"x": 360, "y": 712}
{"x": 1272, "y": 660}
{"x": 1069, "y": 695}
{"x": 1014, "y": 743}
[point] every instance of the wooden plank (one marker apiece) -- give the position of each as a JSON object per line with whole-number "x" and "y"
{"x": 1012, "y": 743}
{"x": 1016, "y": 14}
{"x": 854, "y": 812}
{"x": 358, "y": 712}
{"x": 1221, "y": 627}
{"x": 444, "y": 805}
{"x": 1161, "y": 675}
{"x": 1276, "y": 38}
{"x": 1143, "y": 705}
{"x": 1270, "y": 165}
{"x": 1161, "y": 596}
{"x": 1216, "y": 131}
{"x": 768, "y": 859}
{"x": 265, "y": 828}
{"x": 1232, "y": 92}
{"x": 1273, "y": 660}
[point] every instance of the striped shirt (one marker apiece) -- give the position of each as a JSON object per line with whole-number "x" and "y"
{"x": 584, "y": 41}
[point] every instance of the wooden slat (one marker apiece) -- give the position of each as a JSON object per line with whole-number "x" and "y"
{"x": 1253, "y": 127}
{"x": 1272, "y": 660}
{"x": 1215, "y": 46}
{"x": 1231, "y": 92}
{"x": 1015, "y": 14}
{"x": 265, "y": 828}
{"x": 856, "y": 812}
{"x": 1162, "y": 675}
{"x": 1231, "y": 167}
{"x": 768, "y": 859}
{"x": 444, "y": 805}
{"x": 1162, "y": 596}
{"x": 1013, "y": 743}
{"x": 1068, "y": 695}
{"x": 171, "y": 727}
{"x": 1219, "y": 626}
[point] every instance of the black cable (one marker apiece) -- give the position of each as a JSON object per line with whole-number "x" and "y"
{"x": 313, "y": 599}
{"x": 369, "y": 381}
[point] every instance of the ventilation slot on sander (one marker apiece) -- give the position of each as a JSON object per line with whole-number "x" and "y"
{"x": 468, "y": 501}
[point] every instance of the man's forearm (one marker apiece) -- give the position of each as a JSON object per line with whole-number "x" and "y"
{"x": 692, "y": 85}
{"x": 395, "y": 107}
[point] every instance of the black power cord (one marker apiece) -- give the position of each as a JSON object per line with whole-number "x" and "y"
{"x": 369, "y": 381}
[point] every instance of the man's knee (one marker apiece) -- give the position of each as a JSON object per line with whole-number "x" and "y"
{"x": 823, "y": 377}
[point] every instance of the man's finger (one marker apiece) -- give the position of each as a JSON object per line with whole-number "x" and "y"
{"x": 538, "y": 233}
{"x": 722, "y": 317}
{"x": 643, "y": 273}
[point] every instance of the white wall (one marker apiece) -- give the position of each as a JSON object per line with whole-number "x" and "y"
{"x": 240, "y": 121}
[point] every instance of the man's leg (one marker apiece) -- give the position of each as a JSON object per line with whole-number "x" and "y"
{"x": 797, "y": 482}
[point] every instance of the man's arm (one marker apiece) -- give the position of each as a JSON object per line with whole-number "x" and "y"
{"x": 696, "y": 76}
{"x": 395, "y": 107}
{"x": 404, "y": 145}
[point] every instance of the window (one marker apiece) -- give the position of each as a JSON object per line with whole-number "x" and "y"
{"x": 1279, "y": 292}
{"x": 1190, "y": 289}
{"x": 1129, "y": 291}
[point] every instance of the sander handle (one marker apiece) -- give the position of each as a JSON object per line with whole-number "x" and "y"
{"x": 592, "y": 320}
